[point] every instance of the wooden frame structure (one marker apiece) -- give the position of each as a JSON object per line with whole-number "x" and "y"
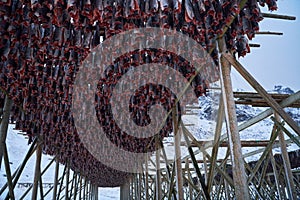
{"x": 231, "y": 177}
{"x": 227, "y": 178}
{"x": 267, "y": 178}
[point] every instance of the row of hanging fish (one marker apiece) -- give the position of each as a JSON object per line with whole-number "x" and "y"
{"x": 44, "y": 42}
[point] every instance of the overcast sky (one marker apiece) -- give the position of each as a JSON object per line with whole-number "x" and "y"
{"x": 277, "y": 61}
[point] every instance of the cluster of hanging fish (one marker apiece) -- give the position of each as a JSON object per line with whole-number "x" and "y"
{"x": 43, "y": 43}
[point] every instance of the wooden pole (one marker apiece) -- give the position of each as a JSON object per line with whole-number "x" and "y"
{"x": 286, "y": 102}
{"x": 20, "y": 169}
{"x": 239, "y": 175}
{"x": 227, "y": 192}
{"x": 76, "y": 185}
{"x": 276, "y": 16}
{"x": 205, "y": 167}
{"x": 178, "y": 167}
{"x": 135, "y": 186}
{"x": 146, "y": 178}
{"x": 41, "y": 188}
{"x": 171, "y": 185}
{"x": 195, "y": 164}
{"x": 140, "y": 185}
{"x": 158, "y": 176}
{"x": 84, "y": 189}
{"x": 72, "y": 184}
{"x": 45, "y": 169}
{"x": 80, "y": 187}
{"x": 55, "y": 183}
{"x": 97, "y": 192}
{"x": 286, "y": 163}
{"x": 265, "y": 154}
{"x": 4, "y": 124}
{"x": 131, "y": 189}
{"x": 125, "y": 190}
{"x": 276, "y": 176}
{"x": 268, "y": 33}
{"x": 188, "y": 173}
{"x": 89, "y": 190}
{"x": 37, "y": 173}
{"x": 8, "y": 172}
{"x": 215, "y": 149}
{"x": 91, "y": 196}
{"x": 61, "y": 182}
{"x": 251, "y": 80}
{"x": 67, "y": 182}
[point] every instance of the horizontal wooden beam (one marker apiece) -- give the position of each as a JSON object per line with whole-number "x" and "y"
{"x": 247, "y": 143}
{"x": 254, "y": 99}
{"x": 277, "y": 16}
{"x": 253, "y": 82}
{"x": 244, "y": 143}
{"x": 254, "y": 45}
{"x": 268, "y": 33}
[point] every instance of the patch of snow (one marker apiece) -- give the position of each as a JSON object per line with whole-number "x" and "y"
{"x": 17, "y": 148}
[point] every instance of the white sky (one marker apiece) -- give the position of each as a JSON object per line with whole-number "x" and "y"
{"x": 277, "y": 61}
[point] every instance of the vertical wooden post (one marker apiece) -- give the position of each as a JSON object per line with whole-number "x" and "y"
{"x": 140, "y": 185}
{"x": 76, "y": 185}
{"x": 135, "y": 186}
{"x": 286, "y": 163}
{"x": 268, "y": 98}
{"x": 8, "y": 172}
{"x": 130, "y": 189}
{"x": 37, "y": 173}
{"x": 215, "y": 149}
{"x": 205, "y": 167}
{"x": 61, "y": 182}
{"x": 187, "y": 166}
{"x": 67, "y": 182}
{"x": 89, "y": 190}
{"x": 239, "y": 175}
{"x": 226, "y": 189}
{"x": 4, "y": 124}
{"x": 41, "y": 187}
{"x": 158, "y": 176}
{"x": 97, "y": 192}
{"x": 94, "y": 192}
{"x": 195, "y": 164}
{"x": 84, "y": 189}
{"x": 80, "y": 187}
{"x": 146, "y": 178}
{"x": 91, "y": 196}
{"x": 276, "y": 176}
{"x": 125, "y": 190}
{"x": 178, "y": 167}
{"x": 72, "y": 184}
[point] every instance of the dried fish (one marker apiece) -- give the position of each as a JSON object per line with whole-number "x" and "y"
{"x": 44, "y": 42}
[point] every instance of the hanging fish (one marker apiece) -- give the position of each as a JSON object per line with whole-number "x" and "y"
{"x": 242, "y": 45}
{"x": 189, "y": 14}
{"x": 272, "y": 5}
{"x": 164, "y": 5}
{"x": 87, "y": 40}
{"x": 246, "y": 25}
{"x": 153, "y": 5}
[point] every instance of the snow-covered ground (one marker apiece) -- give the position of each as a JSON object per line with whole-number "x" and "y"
{"x": 17, "y": 149}
{"x": 202, "y": 129}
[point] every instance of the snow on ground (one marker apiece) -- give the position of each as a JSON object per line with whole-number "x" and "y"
{"x": 17, "y": 149}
